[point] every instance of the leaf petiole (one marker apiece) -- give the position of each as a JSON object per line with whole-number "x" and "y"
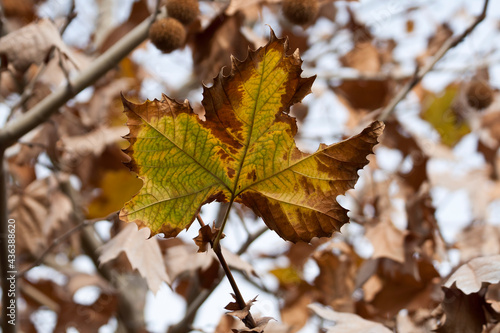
{"x": 224, "y": 220}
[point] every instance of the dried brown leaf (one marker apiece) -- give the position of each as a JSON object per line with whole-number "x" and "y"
{"x": 470, "y": 276}
{"x": 39, "y": 210}
{"x": 464, "y": 313}
{"x": 184, "y": 260}
{"x": 213, "y": 46}
{"x": 143, "y": 254}
{"x": 206, "y": 235}
{"x": 478, "y": 241}
{"x": 238, "y": 312}
{"x": 31, "y": 44}
{"x": 388, "y": 241}
{"x": 335, "y": 280}
{"x": 92, "y": 143}
{"x": 347, "y": 322}
{"x": 364, "y": 57}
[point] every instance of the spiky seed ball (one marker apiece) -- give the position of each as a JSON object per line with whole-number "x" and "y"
{"x": 185, "y": 11}
{"x": 167, "y": 34}
{"x": 300, "y": 11}
{"x": 479, "y": 94}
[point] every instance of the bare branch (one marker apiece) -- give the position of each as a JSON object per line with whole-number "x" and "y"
{"x": 40, "y": 112}
{"x": 420, "y": 73}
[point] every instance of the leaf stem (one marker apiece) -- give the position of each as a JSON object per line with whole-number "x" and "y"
{"x": 223, "y": 225}
{"x": 248, "y": 320}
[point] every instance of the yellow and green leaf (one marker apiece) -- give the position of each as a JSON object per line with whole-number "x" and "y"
{"x": 438, "y": 110}
{"x": 243, "y": 152}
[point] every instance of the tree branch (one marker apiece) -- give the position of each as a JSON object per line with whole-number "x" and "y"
{"x": 40, "y": 112}
{"x": 420, "y": 73}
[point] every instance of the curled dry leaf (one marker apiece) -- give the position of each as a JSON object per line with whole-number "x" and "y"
{"x": 39, "y": 209}
{"x": 464, "y": 313}
{"x": 244, "y": 152}
{"x": 470, "y": 276}
{"x": 364, "y": 57}
{"x": 206, "y": 235}
{"x": 388, "y": 241}
{"x": 143, "y": 254}
{"x": 31, "y": 44}
{"x": 478, "y": 241}
{"x": 241, "y": 314}
{"x": 92, "y": 143}
{"x": 213, "y": 46}
{"x": 184, "y": 259}
{"x": 347, "y": 322}
{"x": 260, "y": 326}
{"x": 236, "y": 311}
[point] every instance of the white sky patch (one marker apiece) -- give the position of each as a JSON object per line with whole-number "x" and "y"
{"x": 173, "y": 69}
{"x": 165, "y": 309}
{"x": 81, "y": 28}
{"x": 44, "y": 320}
{"x": 43, "y": 272}
{"x": 87, "y": 295}
{"x": 103, "y": 229}
{"x": 84, "y": 264}
{"x": 41, "y": 168}
{"x": 388, "y": 159}
{"x": 453, "y": 211}
{"x": 494, "y": 212}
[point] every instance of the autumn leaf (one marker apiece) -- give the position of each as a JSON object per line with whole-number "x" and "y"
{"x": 440, "y": 112}
{"x": 243, "y": 152}
{"x": 470, "y": 277}
{"x": 347, "y": 322}
{"x": 116, "y": 187}
{"x": 206, "y": 235}
{"x": 143, "y": 254}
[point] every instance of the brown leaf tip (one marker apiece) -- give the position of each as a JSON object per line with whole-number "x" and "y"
{"x": 206, "y": 236}
{"x": 237, "y": 311}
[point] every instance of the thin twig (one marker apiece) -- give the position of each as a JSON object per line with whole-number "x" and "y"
{"x": 193, "y": 307}
{"x": 63, "y": 238}
{"x": 450, "y": 43}
{"x": 223, "y": 225}
{"x": 248, "y": 320}
{"x": 69, "y": 18}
